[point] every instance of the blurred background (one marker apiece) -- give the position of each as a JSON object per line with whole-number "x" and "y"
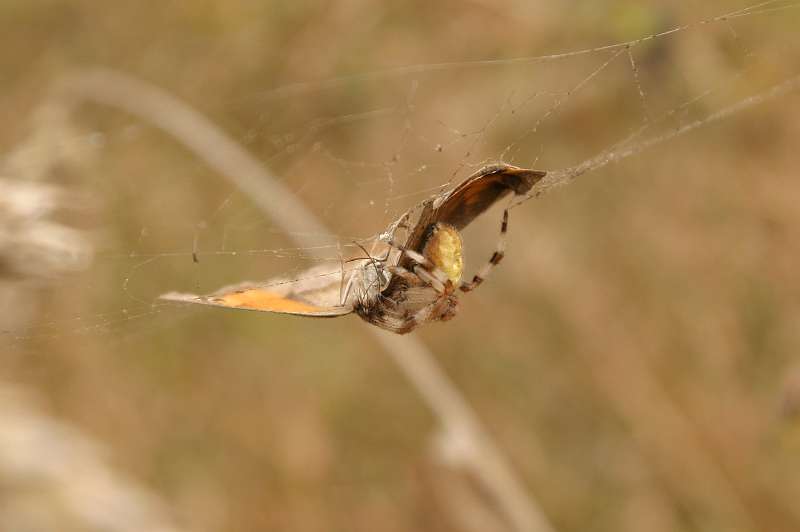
{"x": 635, "y": 357}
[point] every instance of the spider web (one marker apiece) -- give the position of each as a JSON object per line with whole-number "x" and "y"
{"x": 361, "y": 149}
{"x": 693, "y": 92}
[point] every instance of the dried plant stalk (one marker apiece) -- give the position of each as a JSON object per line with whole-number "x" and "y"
{"x": 52, "y": 477}
{"x": 465, "y": 440}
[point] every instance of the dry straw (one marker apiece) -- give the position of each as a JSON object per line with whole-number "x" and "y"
{"x": 462, "y": 441}
{"x": 52, "y": 476}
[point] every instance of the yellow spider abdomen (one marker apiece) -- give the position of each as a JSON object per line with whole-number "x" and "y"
{"x": 444, "y": 249}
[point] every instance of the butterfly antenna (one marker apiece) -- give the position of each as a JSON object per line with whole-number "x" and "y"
{"x": 371, "y": 259}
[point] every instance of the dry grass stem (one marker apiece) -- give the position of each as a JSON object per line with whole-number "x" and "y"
{"x": 52, "y": 475}
{"x": 460, "y": 427}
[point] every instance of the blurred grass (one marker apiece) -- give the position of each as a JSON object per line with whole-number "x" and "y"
{"x": 666, "y": 283}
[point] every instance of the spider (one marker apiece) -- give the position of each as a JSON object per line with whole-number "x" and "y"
{"x": 425, "y": 280}
{"x": 415, "y": 283}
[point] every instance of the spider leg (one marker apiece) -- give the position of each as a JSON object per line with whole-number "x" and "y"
{"x": 436, "y": 278}
{"x": 423, "y": 315}
{"x": 420, "y": 274}
{"x": 497, "y": 256}
{"x": 389, "y": 235}
{"x": 411, "y": 277}
{"x": 403, "y": 221}
{"x": 413, "y": 255}
{"x": 442, "y": 308}
{"x": 427, "y": 271}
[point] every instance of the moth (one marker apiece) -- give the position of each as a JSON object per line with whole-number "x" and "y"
{"x": 416, "y": 282}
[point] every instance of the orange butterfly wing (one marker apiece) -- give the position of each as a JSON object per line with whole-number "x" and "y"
{"x": 315, "y": 294}
{"x": 260, "y": 300}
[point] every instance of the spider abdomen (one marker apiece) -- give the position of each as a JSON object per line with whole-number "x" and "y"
{"x": 444, "y": 249}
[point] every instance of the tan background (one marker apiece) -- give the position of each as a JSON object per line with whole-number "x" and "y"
{"x": 632, "y": 356}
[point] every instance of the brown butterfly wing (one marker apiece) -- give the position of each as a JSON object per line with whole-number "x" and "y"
{"x": 470, "y": 199}
{"x": 467, "y": 201}
{"x": 483, "y": 189}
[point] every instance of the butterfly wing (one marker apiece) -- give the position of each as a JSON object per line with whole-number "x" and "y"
{"x": 261, "y": 300}
{"x": 316, "y": 293}
{"x": 481, "y": 190}
{"x": 467, "y": 201}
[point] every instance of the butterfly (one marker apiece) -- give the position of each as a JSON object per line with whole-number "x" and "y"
{"x": 416, "y": 282}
